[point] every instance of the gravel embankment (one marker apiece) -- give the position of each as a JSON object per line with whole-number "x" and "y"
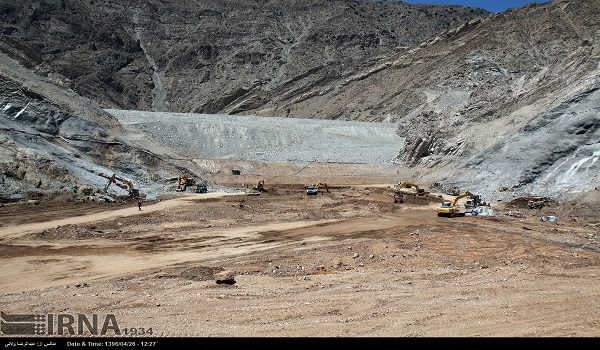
{"x": 266, "y": 138}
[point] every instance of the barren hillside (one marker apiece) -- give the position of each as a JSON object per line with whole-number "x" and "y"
{"x": 477, "y": 101}
{"x": 211, "y": 56}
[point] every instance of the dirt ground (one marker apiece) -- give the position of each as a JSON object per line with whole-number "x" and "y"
{"x": 343, "y": 263}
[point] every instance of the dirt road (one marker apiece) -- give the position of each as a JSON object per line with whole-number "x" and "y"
{"x": 345, "y": 263}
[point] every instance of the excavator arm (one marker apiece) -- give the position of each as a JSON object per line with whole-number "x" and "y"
{"x": 128, "y": 184}
{"x": 322, "y": 185}
{"x": 406, "y": 184}
{"x": 451, "y": 208}
{"x": 111, "y": 180}
{"x": 462, "y": 195}
{"x": 121, "y": 182}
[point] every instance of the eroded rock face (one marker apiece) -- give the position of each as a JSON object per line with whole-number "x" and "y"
{"x": 213, "y": 56}
{"x": 53, "y": 143}
{"x": 496, "y": 111}
{"x": 478, "y": 99}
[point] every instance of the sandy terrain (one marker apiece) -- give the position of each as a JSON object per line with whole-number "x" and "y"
{"x": 348, "y": 263}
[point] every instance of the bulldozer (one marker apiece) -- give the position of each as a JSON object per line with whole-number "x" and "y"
{"x": 183, "y": 182}
{"x": 122, "y": 183}
{"x": 452, "y": 209}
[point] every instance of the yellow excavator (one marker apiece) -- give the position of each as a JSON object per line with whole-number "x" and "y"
{"x": 322, "y": 185}
{"x": 260, "y": 186}
{"x": 183, "y": 182}
{"x": 405, "y": 184}
{"x": 451, "y": 208}
{"x": 314, "y": 189}
{"x": 123, "y": 183}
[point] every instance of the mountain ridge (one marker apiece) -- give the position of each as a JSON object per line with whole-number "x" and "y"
{"x": 474, "y": 95}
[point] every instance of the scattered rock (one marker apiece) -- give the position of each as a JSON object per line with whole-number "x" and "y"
{"x": 548, "y": 218}
{"x": 225, "y": 277}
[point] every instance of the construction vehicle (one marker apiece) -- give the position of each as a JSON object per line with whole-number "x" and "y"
{"x": 473, "y": 202}
{"x": 311, "y": 190}
{"x": 537, "y": 202}
{"x": 453, "y": 191}
{"x": 201, "y": 189}
{"x": 123, "y": 183}
{"x": 451, "y": 208}
{"x": 505, "y": 189}
{"x": 183, "y": 182}
{"x": 401, "y": 184}
{"x": 404, "y": 184}
{"x": 260, "y": 186}
{"x": 314, "y": 189}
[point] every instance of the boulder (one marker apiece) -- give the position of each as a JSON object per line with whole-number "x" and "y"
{"x": 225, "y": 277}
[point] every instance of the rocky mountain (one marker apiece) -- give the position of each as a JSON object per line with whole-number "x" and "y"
{"x": 506, "y": 99}
{"x": 211, "y": 56}
{"x": 511, "y": 98}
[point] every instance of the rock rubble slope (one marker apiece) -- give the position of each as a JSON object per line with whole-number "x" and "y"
{"x": 267, "y": 139}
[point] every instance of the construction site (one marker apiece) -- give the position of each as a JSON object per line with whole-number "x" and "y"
{"x": 240, "y": 246}
{"x": 336, "y": 169}
{"x": 280, "y": 234}
{"x": 269, "y": 258}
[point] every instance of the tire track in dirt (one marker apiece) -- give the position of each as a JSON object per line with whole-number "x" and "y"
{"x": 61, "y": 262}
{"x": 16, "y": 231}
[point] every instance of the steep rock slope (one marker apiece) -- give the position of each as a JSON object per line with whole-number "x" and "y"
{"x": 211, "y": 56}
{"x": 54, "y": 142}
{"x": 508, "y": 100}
